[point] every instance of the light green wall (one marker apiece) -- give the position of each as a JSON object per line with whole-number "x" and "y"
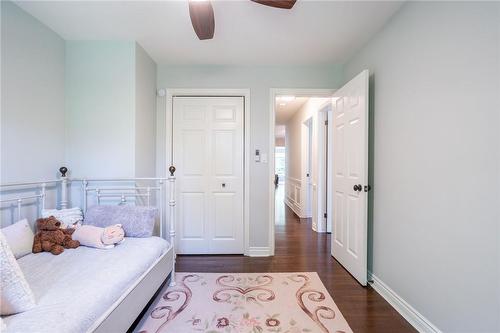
{"x": 100, "y": 108}
{"x": 145, "y": 114}
{"x": 435, "y": 92}
{"x": 32, "y": 97}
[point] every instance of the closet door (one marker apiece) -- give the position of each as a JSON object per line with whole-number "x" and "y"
{"x": 208, "y": 154}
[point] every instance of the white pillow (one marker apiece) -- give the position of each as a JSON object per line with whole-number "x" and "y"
{"x": 68, "y": 217}
{"x": 89, "y": 235}
{"x": 16, "y": 295}
{"x": 19, "y": 236}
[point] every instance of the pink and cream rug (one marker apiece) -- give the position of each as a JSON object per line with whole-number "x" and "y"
{"x": 244, "y": 302}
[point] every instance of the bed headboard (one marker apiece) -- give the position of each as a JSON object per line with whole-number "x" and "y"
{"x": 15, "y": 195}
{"x": 159, "y": 192}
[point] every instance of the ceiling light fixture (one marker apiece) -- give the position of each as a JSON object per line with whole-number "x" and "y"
{"x": 282, "y": 104}
{"x": 287, "y": 98}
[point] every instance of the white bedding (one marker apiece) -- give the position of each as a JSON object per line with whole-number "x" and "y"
{"x": 75, "y": 288}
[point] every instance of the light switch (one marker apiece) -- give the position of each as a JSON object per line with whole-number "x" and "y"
{"x": 257, "y": 155}
{"x": 263, "y": 157}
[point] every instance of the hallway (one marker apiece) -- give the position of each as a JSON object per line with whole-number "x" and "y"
{"x": 299, "y": 249}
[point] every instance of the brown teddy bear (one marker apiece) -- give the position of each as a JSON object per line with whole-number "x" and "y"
{"x": 50, "y": 238}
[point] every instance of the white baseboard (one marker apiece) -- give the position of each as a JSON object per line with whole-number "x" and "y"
{"x": 320, "y": 227}
{"x": 259, "y": 251}
{"x": 294, "y": 208}
{"x": 415, "y": 318}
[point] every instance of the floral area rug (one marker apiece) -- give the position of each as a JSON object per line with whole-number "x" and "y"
{"x": 244, "y": 302}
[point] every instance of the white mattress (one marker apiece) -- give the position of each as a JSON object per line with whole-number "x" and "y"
{"x": 74, "y": 289}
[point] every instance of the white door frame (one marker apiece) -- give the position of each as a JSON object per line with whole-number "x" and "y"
{"x": 298, "y": 92}
{"x": 306, "y": 184}
{"x": 323, "y": 115}
{"x": 193, "y": 92}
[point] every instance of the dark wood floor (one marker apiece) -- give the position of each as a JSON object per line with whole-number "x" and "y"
{"x": 299, "y": 249}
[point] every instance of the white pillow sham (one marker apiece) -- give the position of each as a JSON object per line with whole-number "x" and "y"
{"x": 68, "y": 217}
{"x": 19, "y": 236}
{"x": 16, "y": 295}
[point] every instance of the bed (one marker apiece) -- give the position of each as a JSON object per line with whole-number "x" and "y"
{"x": 95, "y": 290}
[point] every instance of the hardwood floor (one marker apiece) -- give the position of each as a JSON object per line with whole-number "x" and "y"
{"x": 299, "y": 249}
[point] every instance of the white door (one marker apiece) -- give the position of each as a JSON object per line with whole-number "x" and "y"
{"x": 208, "y": 155}
{"x": 350, "y": 176}
{"x": 306, "y": 153}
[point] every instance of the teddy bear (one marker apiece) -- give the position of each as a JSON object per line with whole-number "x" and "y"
{"x": 50, "y": 238}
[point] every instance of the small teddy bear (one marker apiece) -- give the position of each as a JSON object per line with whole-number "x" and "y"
{"x": 50, "y": 238}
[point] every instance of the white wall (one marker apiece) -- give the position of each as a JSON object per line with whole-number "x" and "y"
{"x": 259, "y": 80}
{"x": 293, "y": 134}
{"x": 32, "y": 114}
{"x": 145, "y": 114}
{"x": 100, "y": 108}
{"x": 435, "y": 96}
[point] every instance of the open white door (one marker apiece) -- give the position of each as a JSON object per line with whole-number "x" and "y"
{"x": 350, "y": 176}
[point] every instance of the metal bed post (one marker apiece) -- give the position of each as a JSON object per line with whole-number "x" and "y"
{"x": 160, "y": 203}
{"x": 64, "y": 187}
{"x": 171, "y": 203}
{"x": 19, "y": 203}
{"x": 84, "y": 188}
{"x": 42, "y": 197}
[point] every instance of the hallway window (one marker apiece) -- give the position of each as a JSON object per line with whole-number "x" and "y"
{"x": 280, "y": 165}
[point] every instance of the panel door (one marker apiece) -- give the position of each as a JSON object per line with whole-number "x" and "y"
{"x": 208, "y": 155}
{"x": 350, "y": 175}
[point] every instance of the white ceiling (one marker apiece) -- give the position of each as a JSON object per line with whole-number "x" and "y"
{"x": 285, "y": 112}
{"x": 246, "y": 33}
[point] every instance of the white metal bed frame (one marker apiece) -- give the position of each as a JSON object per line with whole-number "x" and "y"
{"x": 121, "y": 315}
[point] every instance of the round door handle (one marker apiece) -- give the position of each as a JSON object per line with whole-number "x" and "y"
{"x": 357, "y": 187}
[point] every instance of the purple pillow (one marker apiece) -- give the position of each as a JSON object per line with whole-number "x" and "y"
{"x": 137, "y": 221}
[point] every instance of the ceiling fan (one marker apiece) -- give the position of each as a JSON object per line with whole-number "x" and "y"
{"x": 203, "y": 20}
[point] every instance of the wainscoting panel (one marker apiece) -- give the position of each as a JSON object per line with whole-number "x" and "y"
{"x": 293, "y": 197}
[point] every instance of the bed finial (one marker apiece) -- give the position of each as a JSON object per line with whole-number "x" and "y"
{"x": 64, "y": 187}
{"x": 63, "y": 171}
{"x": 172, "y": 170}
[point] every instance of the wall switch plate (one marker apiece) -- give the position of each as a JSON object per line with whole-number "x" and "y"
{"x": 257, "y": 155}
{"x": 263, "y": 157}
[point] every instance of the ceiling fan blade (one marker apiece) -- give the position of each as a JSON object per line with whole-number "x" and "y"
{"x": 283, "y": 4}
{"x": 202, "y": 18}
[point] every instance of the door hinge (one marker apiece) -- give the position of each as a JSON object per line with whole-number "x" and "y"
{"x": 367, "y": 188}
{"x": 326, "y": 122}
{"x": 325, "y": 215}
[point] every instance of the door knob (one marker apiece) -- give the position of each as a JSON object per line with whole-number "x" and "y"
{"x": 357, "y": 187}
